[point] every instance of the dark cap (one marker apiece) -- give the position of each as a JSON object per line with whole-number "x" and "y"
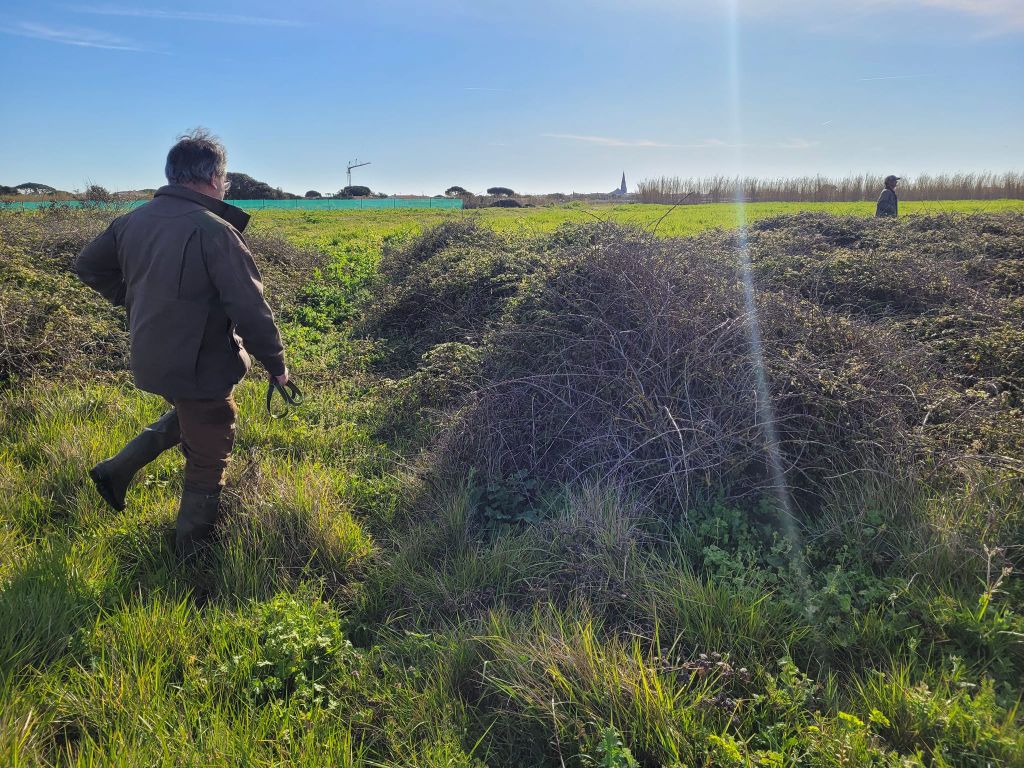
{"x": 890, "y": 179}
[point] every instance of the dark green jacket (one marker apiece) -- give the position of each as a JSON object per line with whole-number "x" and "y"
{"x": 193, "y": 294}
{"x": 888, "y": 205}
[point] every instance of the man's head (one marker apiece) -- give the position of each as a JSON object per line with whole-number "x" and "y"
{"x": 199, "y": 161}
{"x": 890, "y": 181}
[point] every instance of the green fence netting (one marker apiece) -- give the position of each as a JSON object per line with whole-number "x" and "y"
{"x": 329, "y": 204}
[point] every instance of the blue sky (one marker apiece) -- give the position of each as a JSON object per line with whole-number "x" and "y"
{"x": 538, "y": 96}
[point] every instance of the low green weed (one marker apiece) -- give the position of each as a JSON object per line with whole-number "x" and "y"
{"x": 505, "y": 501}
{"x": 610, "y": 752}
{"x": 301, "y": 656}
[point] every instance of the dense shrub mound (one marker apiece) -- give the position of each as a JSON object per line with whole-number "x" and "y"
{"x": 633, "y": 361}
{"x": 954, "y": 283}
{"x": 604, "y": 353}
{"x": 51, "y": 324}
{"x": 448, "y": 285}
{"x": 49, "y": 321}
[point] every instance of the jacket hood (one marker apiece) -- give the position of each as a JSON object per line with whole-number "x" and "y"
{"x": 232, "y": 214}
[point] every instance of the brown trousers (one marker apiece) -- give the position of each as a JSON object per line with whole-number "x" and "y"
{"x": 207, "y": 437}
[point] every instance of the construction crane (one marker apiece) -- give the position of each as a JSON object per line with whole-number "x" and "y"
{"x": 348, "y": 170}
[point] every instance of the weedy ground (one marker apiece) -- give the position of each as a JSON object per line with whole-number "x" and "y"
{"x": 410, "y": 573}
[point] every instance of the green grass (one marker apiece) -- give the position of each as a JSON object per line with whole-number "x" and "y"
{"x": 355, "y": 614}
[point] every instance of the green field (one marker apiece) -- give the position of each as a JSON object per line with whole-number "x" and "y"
{"x": 333, "y": 229}
{"x": 409, "y": 576}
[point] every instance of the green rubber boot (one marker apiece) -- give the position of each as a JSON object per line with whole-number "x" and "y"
{"x": 197, "y": 518}
{"x": 113, "y": 476}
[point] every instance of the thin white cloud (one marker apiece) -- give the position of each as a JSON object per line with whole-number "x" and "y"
{"x": 798, "y": 144}
{"x": 887, "y": 77}
{"x": 80, "y": 37}
{"x": 200, "y": 16}
{"x": 1007, "y": 12}
{"x": 995, "y": 17}
{"x": 607, "y": 141}
{"x": 715, "y": 144}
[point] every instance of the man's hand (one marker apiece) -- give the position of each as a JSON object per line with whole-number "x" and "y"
{"x": 282, "y": 379}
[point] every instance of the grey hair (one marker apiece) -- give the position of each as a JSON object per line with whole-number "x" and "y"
{"x": 199, "y": 157}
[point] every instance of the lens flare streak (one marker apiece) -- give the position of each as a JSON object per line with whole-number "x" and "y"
{"x": 764, "y": 411}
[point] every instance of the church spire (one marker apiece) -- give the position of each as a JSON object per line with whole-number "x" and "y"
{"x": 622, "y": 187}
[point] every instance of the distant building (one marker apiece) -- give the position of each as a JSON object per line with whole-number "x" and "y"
{"x": 622, "y": 187}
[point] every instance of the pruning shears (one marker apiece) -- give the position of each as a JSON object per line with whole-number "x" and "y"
{"x": 289, "y": 392}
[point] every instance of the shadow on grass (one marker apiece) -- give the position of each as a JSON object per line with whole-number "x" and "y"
{"x": 252, "y": 556}
{"x": 42, "y": 609}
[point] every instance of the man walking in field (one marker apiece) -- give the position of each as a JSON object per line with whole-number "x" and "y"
{"x": 888, "y": 205}
{"x": 194, "y": 297}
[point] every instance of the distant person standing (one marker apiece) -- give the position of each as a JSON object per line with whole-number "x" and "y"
{"x": 887, "y": 203}
{"x": 194, "y": 297}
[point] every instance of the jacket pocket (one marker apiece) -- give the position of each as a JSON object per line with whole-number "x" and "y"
{"x": 218, "y": 365}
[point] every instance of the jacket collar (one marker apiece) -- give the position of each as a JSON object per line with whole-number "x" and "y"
{"x": 233, "y": 215}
